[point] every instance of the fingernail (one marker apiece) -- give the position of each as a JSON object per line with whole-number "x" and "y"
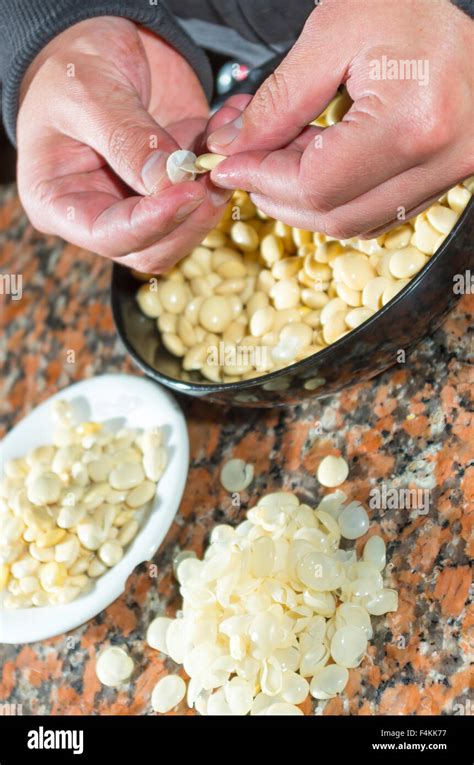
{"x": 226, "y": 134}
{"x": 188, "y": 207}
{"x": 219, "y": 196}
{"x": 154, "y": 170}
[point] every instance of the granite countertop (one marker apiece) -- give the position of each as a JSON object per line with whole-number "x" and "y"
{"x": 411, "y": 427}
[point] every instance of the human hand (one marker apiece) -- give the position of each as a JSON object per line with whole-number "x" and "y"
{"x": 400, "y": 146}
{"x": 102, "y": 106}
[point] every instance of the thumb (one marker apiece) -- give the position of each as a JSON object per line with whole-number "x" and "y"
{"x": 128, "y": 138}
{"x": 293, "y": 95}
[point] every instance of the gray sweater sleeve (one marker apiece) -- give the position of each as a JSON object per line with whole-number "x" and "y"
{"x": 26, "y": 26}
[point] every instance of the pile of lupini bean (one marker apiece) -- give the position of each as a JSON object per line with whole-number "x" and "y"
{"x": 68, "y": 509}
{"x": 276, "y": 610}
{"x": 258, "y": 295}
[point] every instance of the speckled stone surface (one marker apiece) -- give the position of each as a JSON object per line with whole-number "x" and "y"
{"x": 412, "y": 427}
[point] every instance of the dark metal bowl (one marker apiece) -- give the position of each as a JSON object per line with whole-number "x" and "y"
{"x": 365, "y": 352}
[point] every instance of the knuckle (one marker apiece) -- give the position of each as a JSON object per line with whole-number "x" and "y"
{"x": 273, "y": 96}
{"x": 125, "y": 144}
{"x": 317, "y": 199}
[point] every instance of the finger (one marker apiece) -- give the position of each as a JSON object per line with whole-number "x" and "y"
{"x": 323, "y": 174}
{"x": 295, "y": 93}
{"x": 373, "y": 213}
{"x": 91, "y": 214}
{"x": 374, "y": 233}
{"x": 227, "y": 113}
{"x": 120, "y": 129}
{"x": 181, "y": 240}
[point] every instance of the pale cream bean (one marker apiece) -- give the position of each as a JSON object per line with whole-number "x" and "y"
{"x": 126, "y": 476}
{"x": 233, "y": 334}
{"x": 248, "y": 290}
{"x": 114, "y": 667}
{"x": 67, "y": 550}
{"x": 458, "y": 197}
{"x": 191, "y": 312}
{"x": 52, "y": 575}
{"x": 351, "y": 297}
{"x": 186, "y": 332}
{"x": 230, "y": 287}
{"x": 172, "y": 296}
{"x": 110, "y": 553}
{"x": 236, "y": 306}
{"x": 244, "y": 236}
{"x": 373, "y": 291}
{"x": 90, "y": 535}
{"x": 44, "y": 555}
{"x": 287, "y": 316}
{"x": 335, "y": 327}
{"x": 425, "y": 238}
{"x": 407, "y": 262}
{"x": 196, "y": 357}
{"x": 214, "y": 280}
{"x": 312, "y": 319}
{"x": 258, "y": 300}
{"x": 265, "y": 281}
{"x": 286, "y": 268}
{"x": 167, "y": 322}
{"x": 261, "y": 321}
{"x": 353, "y": 269}
{"x": 50, "y": 538}
{"x": 442, "y": 218}
{"x": 223, "y": 255}
{"x": 154, "y": 463}
{"x": 173, "y": 344}
{"x": 25, "y": 566}
{"x": 190, "y": 268}
{"x": 99, "y": 469}
{"x": 141, "y": 494}
{"x": 285, "y": 294}
{"x": 201, "y": 288}
{"x": 332, "y": 471}
{"x": 70, "y": 516}
{"x": 214, "y": 239}
{"x": 383, "y": 265}
{"x": 149, "y": 301}
{"x": 301, "y": 236}
{"x": 398, "y": 237}
{"x": 80, "y": 566}
{"x": 123, "y": 517}
{"x": 202, "y": 256}
{"x": 357, "y": 316}
{"x": 232, "y": 269}
{"x": 215, "y": 314}
{"x": 206, "y": 162}
{"x": 41, "y": 454}
{"x": 318, "y": 272}
{"x": 314, "y": 299}
{"x": 96, "y": 568}
{"x": 211, "y": 373}
{"x": 298, "y": 333}
{"x": 334, "y": 306}
{"x": 393, "y": 289}
{"x": 271, "y": 249}
{"x": 45, "y": 489}
{"x": 127, "y": 532}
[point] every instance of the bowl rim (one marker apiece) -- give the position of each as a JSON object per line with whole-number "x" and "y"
{"x": 205, "y": 388}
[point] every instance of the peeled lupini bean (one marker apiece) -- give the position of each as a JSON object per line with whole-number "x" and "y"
{"x": 68, "y": 509}
{"x": 274, "y": 611}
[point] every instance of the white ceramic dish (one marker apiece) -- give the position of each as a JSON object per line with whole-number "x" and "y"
{"x": 121, "y": 401}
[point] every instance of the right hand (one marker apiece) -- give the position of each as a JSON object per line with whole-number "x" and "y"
{"x": 101, "y": 108}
